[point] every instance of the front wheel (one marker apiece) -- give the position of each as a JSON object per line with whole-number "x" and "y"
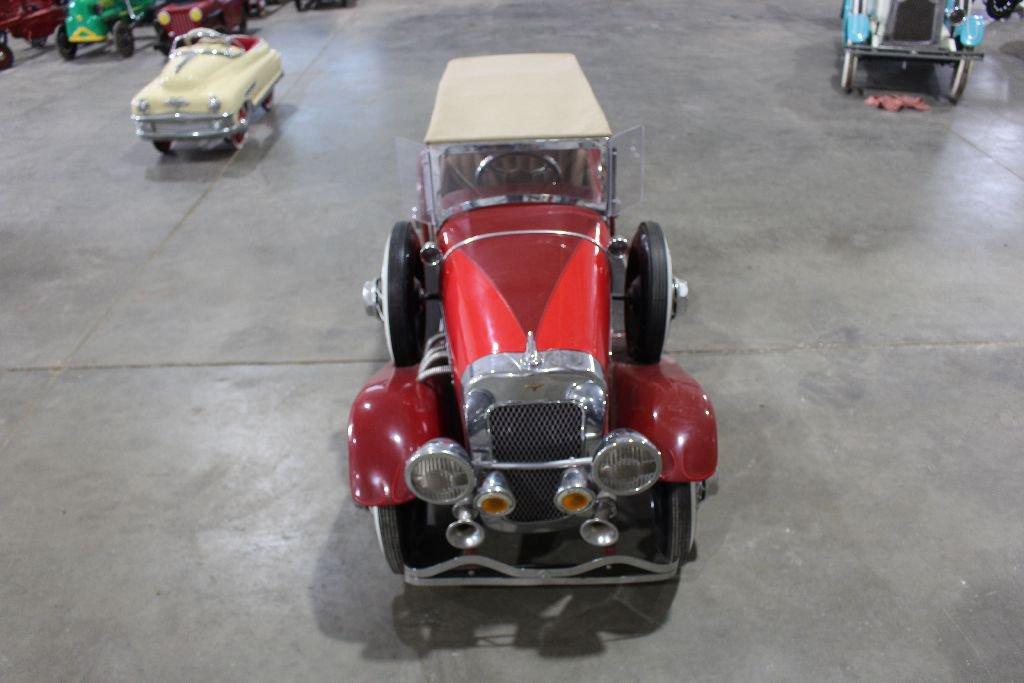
{"x": 268, "y": 101}
{"x": 960, "y": 76}
{"x": 1000, "y": 9}
{"x": 6, "y": 57}
{"x": 402, "y": 286}
{"x": 162, "y": 146}
{"x": 675, "y": 519}
{"x": 388, "y": 522}
{"x": 243, "y": 24}
{"x": 303, "y": 5}
{"x": 848, "y": 72}
{"x": 238, "y": 139}
{"x": 648, "y": 294}
{"x": 124, "y": 39}
{"x": 67, "y": 49}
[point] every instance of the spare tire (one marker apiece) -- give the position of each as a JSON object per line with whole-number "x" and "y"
{"x": 648, "y": 296}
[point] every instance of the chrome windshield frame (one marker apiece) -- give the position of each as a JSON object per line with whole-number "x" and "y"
{"x": 434, "y": 169}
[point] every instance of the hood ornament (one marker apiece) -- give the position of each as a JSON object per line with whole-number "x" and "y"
{"x": 531, "y": 357}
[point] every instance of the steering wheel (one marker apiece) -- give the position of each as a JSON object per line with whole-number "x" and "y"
{"x": 519, "y": 168}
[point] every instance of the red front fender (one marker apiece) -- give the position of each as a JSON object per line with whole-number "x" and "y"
{"x": 390, "y": 418}
{"x": 670, "y": 408}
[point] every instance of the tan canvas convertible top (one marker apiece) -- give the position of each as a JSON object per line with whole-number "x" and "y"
{"x": 515, "y": 97}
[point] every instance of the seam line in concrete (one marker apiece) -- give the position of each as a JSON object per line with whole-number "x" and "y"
{"x": 136, "y": 273}
{"x": 754, "y": 351}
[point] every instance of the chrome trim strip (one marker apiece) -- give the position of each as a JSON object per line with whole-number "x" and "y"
{"x": 528, "y": 576}
{"x": 526, "y": 198}
{"x": 530, "y": 231}
{"x": 546, "y": 465}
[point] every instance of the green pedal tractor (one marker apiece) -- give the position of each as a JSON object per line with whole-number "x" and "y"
{"x": 95, "y": 21}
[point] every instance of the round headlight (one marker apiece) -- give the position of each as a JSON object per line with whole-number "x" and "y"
{"x": 163, "y": 17}
{"x": 440, "y": 472}
{"x": 195, "y": 14}
{"x": 626, "y": 463}
{"x": 142, "y": 105}
{"x": 213, "y": 103}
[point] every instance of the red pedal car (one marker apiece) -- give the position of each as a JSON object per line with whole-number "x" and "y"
{"x": 529, "y": 430}
{"x": 178, "y": 17}
{"x": 33, "y": 20}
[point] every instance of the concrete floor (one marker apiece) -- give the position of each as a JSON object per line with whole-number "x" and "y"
{"x": 180, "y": 339}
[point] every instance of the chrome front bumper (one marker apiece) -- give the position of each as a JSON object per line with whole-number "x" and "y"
{"x": 475, "y": 570}
{"x": 184, "y": 126}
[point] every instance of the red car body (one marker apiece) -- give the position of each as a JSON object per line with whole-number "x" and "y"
{"x": 176, "y": 18}
{"x": 33, "y": 20}
{"x": 492, "y": 296}
{"x": 524, "y": 270}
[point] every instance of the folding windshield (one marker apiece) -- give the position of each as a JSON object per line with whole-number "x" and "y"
{"x": 441, "y": 180}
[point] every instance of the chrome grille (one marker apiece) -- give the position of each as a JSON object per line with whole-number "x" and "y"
{"x": 537, "y": 433}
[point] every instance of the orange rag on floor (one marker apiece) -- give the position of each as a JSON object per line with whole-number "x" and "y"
{"x": 897, "y": 102}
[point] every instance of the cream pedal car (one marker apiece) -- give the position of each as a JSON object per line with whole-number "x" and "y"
{"x": 208, "y": 89}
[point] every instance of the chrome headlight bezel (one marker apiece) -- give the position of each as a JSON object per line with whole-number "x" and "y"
{"x": 448, "y": 458}
{"x": 213, "y": 103}
{"x": 626, "y": 443}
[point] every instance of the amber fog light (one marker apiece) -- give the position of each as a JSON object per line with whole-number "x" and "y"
{"x": 626, "y": 463}
{"x": 195, "y": 14}
{"x": 163, "y": 17}
{"x": 494, "y": 497}
{"x": 572, "y": 495}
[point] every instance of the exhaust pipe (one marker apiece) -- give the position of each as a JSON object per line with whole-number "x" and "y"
{"x": 598, "y": 530}
{"x": 464, "y": 533}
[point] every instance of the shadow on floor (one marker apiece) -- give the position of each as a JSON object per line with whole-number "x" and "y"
{"x": 354, "y": 599}
{"x": 187, "y": 158}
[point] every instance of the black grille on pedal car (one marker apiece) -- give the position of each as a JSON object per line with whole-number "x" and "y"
{"x": 535, "y": 494}
{"x": 535, "y": 433}
{"x": 914, "y": 21}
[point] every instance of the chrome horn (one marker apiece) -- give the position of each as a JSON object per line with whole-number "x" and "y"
{"x": 598, "y": 530}
{"x": 464, "y": 533}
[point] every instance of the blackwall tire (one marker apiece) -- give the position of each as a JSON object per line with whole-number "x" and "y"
{"x": 163, "y": 146}
{"x": 402, "y": 287}
{"x": 67, "y": 49}
{"x": 648, "y": 299}
{"x": 1000, "y": 9}
{"x": 6, "y": 57}
{"x": 124, "y": 39}
{"x": 388, "y": 521}
{"x": 675, "y": 517}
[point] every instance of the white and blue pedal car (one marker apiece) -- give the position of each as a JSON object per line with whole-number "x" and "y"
{"x": 941, "y": 31}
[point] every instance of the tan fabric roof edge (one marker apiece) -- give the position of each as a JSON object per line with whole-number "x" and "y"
{"x": 515, "y": 97}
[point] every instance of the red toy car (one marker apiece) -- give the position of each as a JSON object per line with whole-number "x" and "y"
{"x": 529, "y": 430}
{"x": 33, "y": 20}
{"x": 178, "y": 17}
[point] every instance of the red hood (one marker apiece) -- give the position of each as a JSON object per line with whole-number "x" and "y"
{"x": 495, "y": 290}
